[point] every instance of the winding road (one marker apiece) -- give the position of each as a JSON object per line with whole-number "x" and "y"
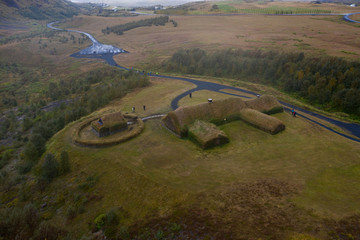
{"x": 347, "y": 17}
{"x": 96, "y": 47}
{"x": 352, "y": 128}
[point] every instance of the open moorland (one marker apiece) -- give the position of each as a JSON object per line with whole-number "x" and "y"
{"x": 301, "y": 183}
{"x": 317, "y": 35}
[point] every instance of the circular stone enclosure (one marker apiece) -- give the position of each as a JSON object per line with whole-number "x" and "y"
{"x": 84, "y": 136}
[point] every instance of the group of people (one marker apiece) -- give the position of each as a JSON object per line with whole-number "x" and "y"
{"x": 133, "y": 108}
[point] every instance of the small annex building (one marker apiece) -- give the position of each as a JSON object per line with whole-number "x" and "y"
{"x": 109, "y": 124}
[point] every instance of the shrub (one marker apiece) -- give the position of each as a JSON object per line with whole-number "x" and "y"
{"x": 112, "y": 218}
{"x": 39, "y": 142}
{"x": 25, "y": 166}
{"x": 18, "y": 223}
{"x": 30, "y": 152}
{"x": 175, "y": 227}
{"x": 49, "y": 232}
{"x": 90, "y": 183}
{"x": 100, "y": 221}
{"x": 108, "y": 223}
{"x": 31, "y": 216}
{"x": 110, "y": 232}
{"x": 159, "y": 235}
{"x": 50, "y": 167}
{"x": 71, "y": 212}
{"x": 120, "y": 29}
{"x": 4, "y": 175}
{"x": 5, "y": 157}
{"x": 64, "y": 162}
{"x": 123, "y": 233}
{"x": 24, "y": 193}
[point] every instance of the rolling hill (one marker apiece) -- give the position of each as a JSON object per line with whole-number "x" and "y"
{"x": 38, "y": 9}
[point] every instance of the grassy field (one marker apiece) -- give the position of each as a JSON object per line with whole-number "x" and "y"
{"x": 296, "y": 7}
{"x": 257, "y": 7}
{"x": 293, "y": 185}
{"x": 149, "y": 46}
{"x": 147, "y": 176}
{"x": 314, "y": 35}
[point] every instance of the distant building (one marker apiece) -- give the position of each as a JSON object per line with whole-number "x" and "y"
{"x": 158, "y": 7}
{"x": 353, "y": 5}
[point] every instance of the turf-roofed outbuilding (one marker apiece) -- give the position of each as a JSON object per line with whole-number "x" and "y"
{"x": 207, "y": 135}
{"x": 109, "y": 124}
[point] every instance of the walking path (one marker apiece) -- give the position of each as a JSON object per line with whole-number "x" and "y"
{"x": 153, "y": 116}
{"x": 107, "y": 55}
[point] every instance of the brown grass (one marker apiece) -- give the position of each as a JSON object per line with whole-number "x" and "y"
{"x": 355, "y": 17}
{"x": 253, "y": 210}
{"x": 261, "y": 209}
{"x": 149, "y": 46}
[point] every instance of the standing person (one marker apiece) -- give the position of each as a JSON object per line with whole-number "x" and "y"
{"x": 144, "y": 107}
{"x": 133, "y": 109}
{"x": 190, "y": 95}
{"x": 292, "y": 112}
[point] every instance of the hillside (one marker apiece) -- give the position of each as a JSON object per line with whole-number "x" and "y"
{"x": 38, "y": 9}
{"x": 300, "y": 184}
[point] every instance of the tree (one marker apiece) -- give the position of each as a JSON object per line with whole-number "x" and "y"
{"x": 214, "y": 7}
{"x": 64, "y": 162}
{"x": 39, "y": 143}
{"x": 30, "y": 152}
{"x": 27, "y": 124}
{"x": 50, "y": 167}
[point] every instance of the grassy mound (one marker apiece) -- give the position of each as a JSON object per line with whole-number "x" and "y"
{"x": 262, "y": 121}
{"x": 207, "y": 135}
{"x": 218, "y": 112}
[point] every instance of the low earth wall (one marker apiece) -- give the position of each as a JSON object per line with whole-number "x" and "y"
{"x": 104, "y": 142}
